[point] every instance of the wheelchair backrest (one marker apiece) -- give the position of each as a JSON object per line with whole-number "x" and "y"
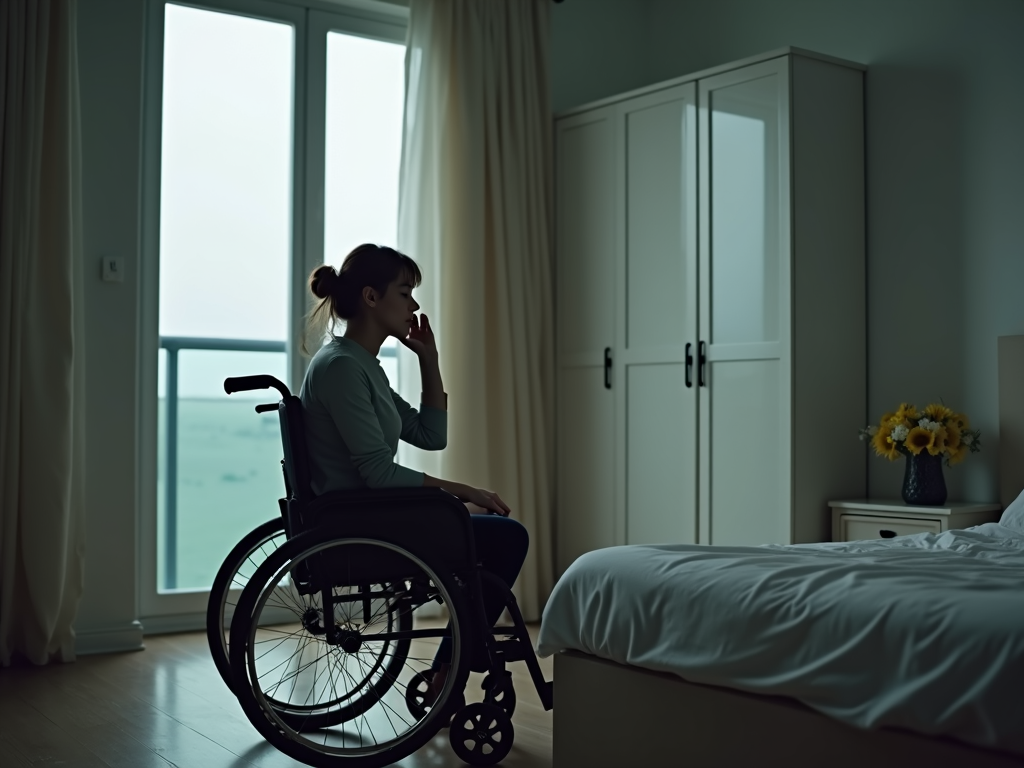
{"x": 296, "y": 459}
{"x": 427, "y": 521}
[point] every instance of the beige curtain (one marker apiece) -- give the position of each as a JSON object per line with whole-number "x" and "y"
{"x": 41, "y": 359}
{"x": 475, "y": 212}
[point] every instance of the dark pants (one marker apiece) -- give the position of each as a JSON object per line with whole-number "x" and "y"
{"x": 501, "y": 545}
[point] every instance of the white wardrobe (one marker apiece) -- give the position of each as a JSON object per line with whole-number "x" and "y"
{"x": 711, "y": 307}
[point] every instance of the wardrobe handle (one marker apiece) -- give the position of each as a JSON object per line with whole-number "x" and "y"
{"x": 607, "y": 367}
{"x": 701, "y": 359}
{"x": 689, "y": 366}
{"x": 886, "y": 534}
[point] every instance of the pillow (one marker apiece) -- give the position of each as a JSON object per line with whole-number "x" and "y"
{"x": 1013, "y": 515}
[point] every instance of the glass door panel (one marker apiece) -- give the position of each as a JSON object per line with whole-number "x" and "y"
{"x": 744, "y": 212}
{"x": 363, "y": 142}
{"x": 366, "y": 84}
{"x": 225, "y": 257}
{"x": 363, "y": 149}
{"x": 744, "y": 306}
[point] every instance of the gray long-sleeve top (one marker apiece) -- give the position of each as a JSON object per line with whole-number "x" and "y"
{"x": 354, "y": 420}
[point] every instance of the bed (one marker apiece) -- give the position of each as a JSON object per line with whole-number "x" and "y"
{"x": 803, "y": 655}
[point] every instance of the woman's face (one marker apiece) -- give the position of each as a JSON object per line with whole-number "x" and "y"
{"x": 394, "y": 310}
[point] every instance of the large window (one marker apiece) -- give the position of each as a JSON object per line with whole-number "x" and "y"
{"x": 273, "y": 138}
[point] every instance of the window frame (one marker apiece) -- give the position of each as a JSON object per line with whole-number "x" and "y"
{"x": 311, "y": 20}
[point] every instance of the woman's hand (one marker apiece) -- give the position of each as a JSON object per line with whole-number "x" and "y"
{"x": 421, "y": 338}
{"x": 486, "y": 500}
{"x": 474, "y": 497}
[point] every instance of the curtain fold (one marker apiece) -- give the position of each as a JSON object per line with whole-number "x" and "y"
{"x": 42, "y": 384}
{"x": 475, "y": 210}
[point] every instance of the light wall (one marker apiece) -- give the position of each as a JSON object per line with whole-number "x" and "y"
{"x": 598, "y": 49}
{"x": 110, "y": 42}
{"x": 945, "y": 171}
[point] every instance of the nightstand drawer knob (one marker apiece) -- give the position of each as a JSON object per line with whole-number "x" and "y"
{"x": 887, "y": 534}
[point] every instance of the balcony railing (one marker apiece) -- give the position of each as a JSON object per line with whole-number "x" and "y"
{"x": 173, "y": 345}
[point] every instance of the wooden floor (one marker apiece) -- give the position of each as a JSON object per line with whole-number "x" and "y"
{"x": 167, "y": 705}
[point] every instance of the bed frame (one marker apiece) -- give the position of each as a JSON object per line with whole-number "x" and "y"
{"x": 612, "y": 715}
{"x": 608, "y": 715}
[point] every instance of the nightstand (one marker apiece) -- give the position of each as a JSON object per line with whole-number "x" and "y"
{"x": 882, "y": 519}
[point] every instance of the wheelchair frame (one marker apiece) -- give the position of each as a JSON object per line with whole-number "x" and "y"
{"x": 339, "y": 518}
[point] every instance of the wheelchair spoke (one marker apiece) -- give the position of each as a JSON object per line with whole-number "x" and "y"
{"x": 285, "y": 679}
{"x": 277, "y": 636}
{"x": 280, "y": 641}
{"x": 387, "y": 707}
{"x": 295, "y": 677}
{"x": 337, "y": 662}
{"x": 362, "y": 717}
{"x": 380, "y": 700}
{"x": 312, "y": 688}
{"x": 294, "y": 601}
{"x": 273, "y": 631}
{"x": 332, "y": 662}
{"x": 382, "y": 610}
{"x": 289, "y": 678}
{"x": 344, "y": 671}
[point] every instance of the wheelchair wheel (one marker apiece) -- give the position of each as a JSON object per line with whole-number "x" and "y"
{"x": 481, "y": 734}
{"x": 348, "y": 681}
{"x": 234, "y": 573}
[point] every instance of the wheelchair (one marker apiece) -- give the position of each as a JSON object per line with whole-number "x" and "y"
{"x": 316, "y": 621}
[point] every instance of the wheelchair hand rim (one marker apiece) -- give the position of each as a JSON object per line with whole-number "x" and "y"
{"x": 268, "y": 576}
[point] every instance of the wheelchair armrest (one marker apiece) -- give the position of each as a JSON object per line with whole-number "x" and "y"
{"x": 429, "y": 521}
{"x": 370, "y": 498}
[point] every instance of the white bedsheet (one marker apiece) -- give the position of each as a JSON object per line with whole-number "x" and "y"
{"x": 924, "y": 632}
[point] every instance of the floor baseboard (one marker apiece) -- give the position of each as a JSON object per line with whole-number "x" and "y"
{"x": 126, "y": 637}
{"x": 181, "y": 622}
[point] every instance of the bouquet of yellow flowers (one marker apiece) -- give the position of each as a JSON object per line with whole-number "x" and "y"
{"x": 936, "y": 429}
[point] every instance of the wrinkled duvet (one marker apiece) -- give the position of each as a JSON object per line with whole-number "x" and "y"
{"x": 924, "y": 632}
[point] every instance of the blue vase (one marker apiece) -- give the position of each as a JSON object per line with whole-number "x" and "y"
{"x": 923, "y": 483}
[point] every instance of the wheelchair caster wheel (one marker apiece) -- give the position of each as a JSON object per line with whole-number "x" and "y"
{"x": 481, "y": 734}
{"x": 499, "y": 691}
{"x": 416, "y": 696}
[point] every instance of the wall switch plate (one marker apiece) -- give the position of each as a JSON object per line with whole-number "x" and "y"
{"x": 113, "y": 269}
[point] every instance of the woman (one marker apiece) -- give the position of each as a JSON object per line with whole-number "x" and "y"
{"x": 354, "y": 419}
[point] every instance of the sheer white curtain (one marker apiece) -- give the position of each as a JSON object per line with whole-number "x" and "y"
{"x": 475, "y": 212}
{"x": 41, "y": 347}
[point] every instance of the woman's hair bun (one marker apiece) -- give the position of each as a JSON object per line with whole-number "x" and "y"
{"x": 324, "y": 281}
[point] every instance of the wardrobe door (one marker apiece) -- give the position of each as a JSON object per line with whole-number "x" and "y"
{"x": 745, "y": 442}
{"x": 585, "y": 306}
{"x": 656, "y": 402}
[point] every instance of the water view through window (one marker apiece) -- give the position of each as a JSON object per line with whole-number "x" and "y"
{"x": 225, "y": 256}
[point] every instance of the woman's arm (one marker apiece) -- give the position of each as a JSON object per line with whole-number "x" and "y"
{"x": 427, "y": 428}
{"x": 421, "y": 341}
{"x": 433, "y": 389}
